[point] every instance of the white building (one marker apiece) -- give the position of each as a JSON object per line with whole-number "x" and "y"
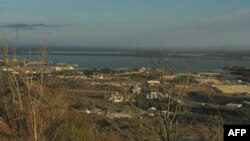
{"x": 156, "y": 95}
{"x": 116, "y": 98}
{"x": 153, "y": 82}
{"x": 233, "y": 105}
{"x": 63, "y": 67}
{"x": 136, "y": 89}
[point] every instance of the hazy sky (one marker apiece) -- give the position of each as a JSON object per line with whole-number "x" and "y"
{"x": 151, "y": 23}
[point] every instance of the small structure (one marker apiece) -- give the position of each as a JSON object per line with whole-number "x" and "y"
{"x": 98, "y": 76}
{"x": 208, "y": 81}
{"x": 209, "y": 74}
{"x": 246, "y": 102}
{"x": 136, "y": 89}
{"x": 232, "y": 89}
{"x": 144, "y": 70}
{"x": 168, "y": 77}
{"x": 153, "y": 82}
{"x": 64, "y": 67}
{"x": 156, "y": 95}
{"x": 233, "y": 105}
{"x": 152, "y": 109}
{"x": 118, "y": 115}
{"x": 116, "y": 98}
{"x": 95, "y": 111}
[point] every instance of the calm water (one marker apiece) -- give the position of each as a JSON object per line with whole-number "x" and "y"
{"x": 174, "y": 64}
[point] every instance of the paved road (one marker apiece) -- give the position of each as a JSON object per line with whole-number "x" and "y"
{"x": 90, "y": 91}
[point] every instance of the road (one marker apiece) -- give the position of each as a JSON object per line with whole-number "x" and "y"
{"x": 89, "y": 91}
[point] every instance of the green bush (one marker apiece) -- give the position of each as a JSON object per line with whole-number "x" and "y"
{"x": 79, "y": 105}
{"x": 73, "y": 128}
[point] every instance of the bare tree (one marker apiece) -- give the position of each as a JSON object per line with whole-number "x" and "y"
{"x": 30, "y": 107}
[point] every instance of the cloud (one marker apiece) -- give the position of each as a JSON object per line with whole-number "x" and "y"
{"x": 230, "y": 28}
{"x": 230, "y": 18}
{"x": 30, "y": 26}
{"x": 237, "y": 21}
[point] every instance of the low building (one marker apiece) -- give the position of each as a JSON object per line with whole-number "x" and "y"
{"x": 168, "y": 77}
{"x": 64, "y": 67}
{"x": 208, "y": 81}
{"x": 136, "y": 89}
{"x": 153, "y": 82}
{"x": 152, "y": 109}
{"x": 246, "y": 102}
{"x": 95, "y": 111}
{"x": 81, "y": 77}
{"x": 209, "y": 74}
{"x": 116, "y": 98}
{"x": 118, "y": 115}
{"x": 233, "y": 105}
{"x": 145, "y": 70}
{"x": 233, "y": 89}
{"x": 156, "y": 95}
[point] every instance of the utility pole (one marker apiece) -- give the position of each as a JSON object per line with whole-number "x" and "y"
{"x": 15, "y": 47}
{"x": 43, "y": 53}
{"x": 5, "y": 50}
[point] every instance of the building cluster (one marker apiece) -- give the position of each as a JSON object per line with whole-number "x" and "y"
{"x": 33, "y": 67}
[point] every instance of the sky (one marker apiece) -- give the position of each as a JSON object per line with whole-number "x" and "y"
{"x": 127, "y": 23}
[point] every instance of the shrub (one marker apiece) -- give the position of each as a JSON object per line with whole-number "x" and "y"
{"x": 79, "y": 105}
{"x": 73, "y": 128}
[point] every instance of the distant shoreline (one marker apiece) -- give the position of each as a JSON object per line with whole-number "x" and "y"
{"x": 144, "y": 54}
